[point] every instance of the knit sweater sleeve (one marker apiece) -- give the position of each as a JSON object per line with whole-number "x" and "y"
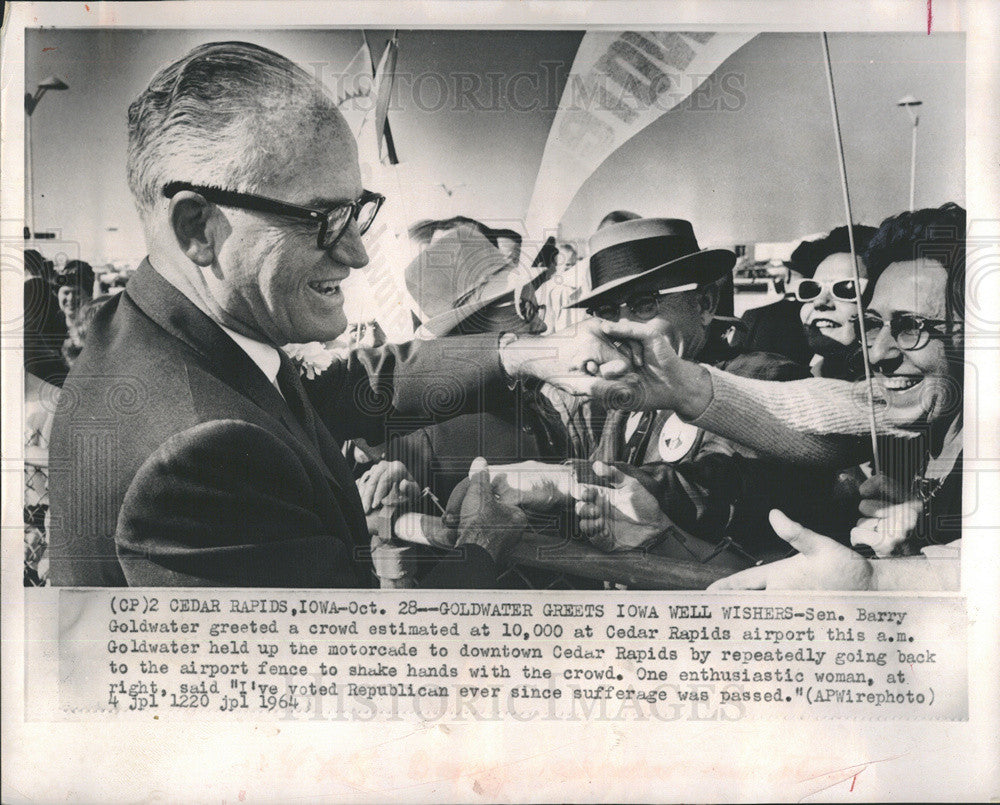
{"x": 817, "y": 421}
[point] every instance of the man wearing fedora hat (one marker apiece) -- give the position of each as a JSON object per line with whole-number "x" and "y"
{"x": 462, "y": 283}
{"x": 664, "y": 471}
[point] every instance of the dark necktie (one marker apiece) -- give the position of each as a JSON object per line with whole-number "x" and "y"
{"x": 291, "y": 389}
{"x": 635, "y": 449}
{"x": 290, "y": 385}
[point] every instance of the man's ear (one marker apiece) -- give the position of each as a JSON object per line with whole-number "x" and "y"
{"x": 190, "y": 216}
{"x": 708, "y": 301}
{"x": 958, "y": 335}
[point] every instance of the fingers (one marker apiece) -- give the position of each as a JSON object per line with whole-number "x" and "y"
{"x": 367, "y": 486}
{"x": 384, "y": 485}
{"x": 379, "y": 483}
{"x": 798, "y": 536}
{"x": 504, "y": 491}
{"x": 873, "y": 533}
{"x": 589, "y": 513}
{"x": 592, "y": 518}
{"x": 613, "y": 369}
{"x": 479, "y": 469}
{"x": 614, "y": 476}
{"x": 872, "y": 508}
{"x": 409, "y": 489}
{"x": 595, "y": 531}
{"x": 613, "y": 383}
{"x": 479, "y": 495}
{"x": 453, "y": 510}
{"x": 753, "y": 578}
{"x": 866, "y": 533}
{"x": 624, "y": 392}
{"x": 638, "y": 331}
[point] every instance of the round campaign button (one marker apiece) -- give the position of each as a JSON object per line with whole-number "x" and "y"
{"x": 676, "y": 439}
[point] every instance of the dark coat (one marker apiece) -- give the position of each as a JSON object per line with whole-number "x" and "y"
{"x": 176, "y": 462}
{"x": 777, "y": 328}
{"x": 44, "y": 332}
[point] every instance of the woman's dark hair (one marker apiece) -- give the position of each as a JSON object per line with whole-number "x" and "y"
{"x": 936, "y": 233}
{"x": 810, "y": 253}
{"x": 78, "y": 274}
{"x": 37, "y": 266}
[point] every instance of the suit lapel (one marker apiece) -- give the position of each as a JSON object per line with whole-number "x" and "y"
{"x": 220, "y": 355}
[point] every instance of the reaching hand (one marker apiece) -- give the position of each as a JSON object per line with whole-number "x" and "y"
{"x": 622, "y": 517}
{"x": 656, "y": 377}
{"x": 387, "y": 481}
{"x": 889, "y": 517}
{"x": 483, "y": 519}
{"x": 530, "y": 485}
{"x": 571, "y": 359}
{"x": 886, "y": 528}
{"x": 821, "y": 564}
{"x": 883, "y": 488}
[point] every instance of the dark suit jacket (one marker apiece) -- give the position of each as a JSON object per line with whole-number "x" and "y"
{"x": 777, "y": 328}
{"x": 174, "y": 461}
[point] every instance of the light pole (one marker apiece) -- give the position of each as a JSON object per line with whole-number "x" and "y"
{"x": 30, "y": 103}
{"x": 911, "y": 104}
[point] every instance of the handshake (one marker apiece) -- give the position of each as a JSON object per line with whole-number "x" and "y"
{"x": 636, "y": 366}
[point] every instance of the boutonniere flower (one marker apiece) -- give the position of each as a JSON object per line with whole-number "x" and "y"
{"x": 312, "y": 359}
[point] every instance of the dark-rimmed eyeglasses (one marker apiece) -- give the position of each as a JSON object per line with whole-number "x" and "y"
{"x": 643, "y": 307}
{"x": 333, "y": 222}
{"x": 807, "y": 290}
{"x": 910, "y": 331}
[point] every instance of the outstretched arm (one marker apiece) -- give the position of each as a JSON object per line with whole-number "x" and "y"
{"x": 429, "y": 381}
{"x": 814, "y": 421}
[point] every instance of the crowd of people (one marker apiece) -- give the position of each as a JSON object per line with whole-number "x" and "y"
{"x": 614, "y": 398}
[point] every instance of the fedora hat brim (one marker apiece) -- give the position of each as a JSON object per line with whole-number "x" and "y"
{"x": 697, "y": 269}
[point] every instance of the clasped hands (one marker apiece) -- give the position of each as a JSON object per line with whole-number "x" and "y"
{"x": 632, "y": 365}
{"x": 619, "y": 514}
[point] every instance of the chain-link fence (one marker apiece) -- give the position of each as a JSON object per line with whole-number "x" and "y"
{"x": 36, "y": 506}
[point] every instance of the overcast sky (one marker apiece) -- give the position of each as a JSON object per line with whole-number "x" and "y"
{"x": 762, "y": 171}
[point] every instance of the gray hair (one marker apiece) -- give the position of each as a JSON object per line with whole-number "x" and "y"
{"x": 228, "y": 114}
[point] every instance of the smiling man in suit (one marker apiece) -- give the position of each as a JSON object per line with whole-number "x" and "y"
{"x": 185, "y": 450}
